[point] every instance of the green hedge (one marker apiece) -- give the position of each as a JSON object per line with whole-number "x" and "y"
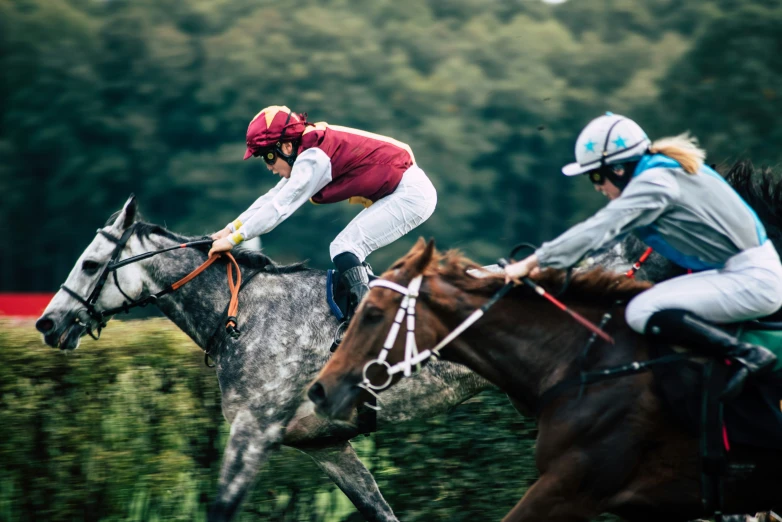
{"x": 130, "y": 429}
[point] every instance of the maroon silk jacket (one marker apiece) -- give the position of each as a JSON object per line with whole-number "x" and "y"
{"x": 364, "y": 166}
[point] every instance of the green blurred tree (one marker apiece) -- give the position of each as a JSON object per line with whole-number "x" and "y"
{"x": 103, "y": 99}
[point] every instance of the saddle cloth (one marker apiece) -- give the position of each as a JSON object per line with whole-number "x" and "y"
{"x": 336, "y": 295}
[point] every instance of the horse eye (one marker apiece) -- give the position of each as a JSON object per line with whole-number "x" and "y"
{"x": 90, "y": 266}
{"x": 373, "y": 315}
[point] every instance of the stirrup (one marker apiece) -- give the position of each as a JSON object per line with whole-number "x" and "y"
{"x": 339, "y": 333}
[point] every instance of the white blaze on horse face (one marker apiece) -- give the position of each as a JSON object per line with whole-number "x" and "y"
{"x": 99, "y": 251}
{"x": 64, "y": 309}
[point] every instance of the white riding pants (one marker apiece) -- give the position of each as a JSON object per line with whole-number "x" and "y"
{"x": 748, "y": 287}
{"x": 388, "y": 218}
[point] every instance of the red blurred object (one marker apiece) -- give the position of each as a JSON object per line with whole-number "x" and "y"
{"x": 24, "y": 305}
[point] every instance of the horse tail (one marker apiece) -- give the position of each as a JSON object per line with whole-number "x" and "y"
{"x": 762, "y": 190}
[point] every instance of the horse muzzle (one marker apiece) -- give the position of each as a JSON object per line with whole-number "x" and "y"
{"x": 335, "y": 402}
{"x": 67, "y": 337}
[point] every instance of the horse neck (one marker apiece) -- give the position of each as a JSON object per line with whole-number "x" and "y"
{"x": 523, "y": 346}
{"x": 197, "y": 307}
{"x": 624, "y": 254}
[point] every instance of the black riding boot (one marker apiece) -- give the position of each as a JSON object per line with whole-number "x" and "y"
{"x": 355, "y": 276}
{"x": 687, "y": 328}
{"x": 357, "y": 281}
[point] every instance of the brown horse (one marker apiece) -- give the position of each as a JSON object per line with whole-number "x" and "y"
{"x": 614, "y": 449}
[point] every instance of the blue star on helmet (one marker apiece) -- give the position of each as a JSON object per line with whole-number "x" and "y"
{"x": 590, "y": 146}
{"x": 619, "y": 142}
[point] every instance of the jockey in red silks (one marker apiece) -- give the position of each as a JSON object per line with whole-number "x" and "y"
{"x": 326, "y": 164}
{"x": 663, "y": 193}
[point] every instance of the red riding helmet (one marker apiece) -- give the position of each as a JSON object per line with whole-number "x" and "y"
{"x": 273, "y": 125}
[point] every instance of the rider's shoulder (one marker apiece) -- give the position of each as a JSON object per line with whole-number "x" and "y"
{"x": 656, "y": 178}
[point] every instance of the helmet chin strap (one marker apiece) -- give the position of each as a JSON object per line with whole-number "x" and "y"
{"x": 290, "y": 159}
{"x": 619, "y": 181}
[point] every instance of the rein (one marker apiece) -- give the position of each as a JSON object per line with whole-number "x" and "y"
{"x": 97, "y": 319}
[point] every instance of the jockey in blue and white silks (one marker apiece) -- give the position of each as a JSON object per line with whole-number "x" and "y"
{"x": 664, "y": 194}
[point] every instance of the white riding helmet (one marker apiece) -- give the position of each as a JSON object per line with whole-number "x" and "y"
{"x": 608, "y": 139}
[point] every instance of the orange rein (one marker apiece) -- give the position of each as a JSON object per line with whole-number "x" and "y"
{"x": 233, "y": 305}
{"x": 637, "y": 265}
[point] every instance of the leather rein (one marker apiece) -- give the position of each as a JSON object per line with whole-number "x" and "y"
{"x": 96, "y": 319}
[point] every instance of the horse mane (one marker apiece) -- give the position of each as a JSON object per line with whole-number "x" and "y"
{"x": 247, "y": 258}
{"x": 592, "y": 286}
{"x": 762, "y": 190}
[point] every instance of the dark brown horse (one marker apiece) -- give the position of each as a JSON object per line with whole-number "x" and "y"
{"x": 615, "y": 449}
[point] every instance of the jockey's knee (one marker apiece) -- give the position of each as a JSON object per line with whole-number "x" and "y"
{"x": 638, "y": 313}
{"x": 338, "y": 247}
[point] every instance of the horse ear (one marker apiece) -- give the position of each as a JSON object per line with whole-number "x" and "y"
{"x": 425, "y": 257}
{"x": 128, "y": 215}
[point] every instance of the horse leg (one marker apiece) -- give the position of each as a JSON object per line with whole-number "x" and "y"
{"x": 343, "y": 466}
{"x": 548, "y": 499}
{"x": 247, "y": 448}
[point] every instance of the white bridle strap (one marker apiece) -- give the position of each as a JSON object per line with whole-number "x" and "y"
{"x": 412, "y": 356}
{"x": 390, "y": 285}
{"x": 421, "y": 357}
{"x": 407, "y": 307}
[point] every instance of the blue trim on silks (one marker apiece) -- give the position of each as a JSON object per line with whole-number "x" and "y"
{"x": 652, "y": 237}
{"x": 330, "y": 295}
{"x": 659, "y": 160}
{"x": 651, "y": 161}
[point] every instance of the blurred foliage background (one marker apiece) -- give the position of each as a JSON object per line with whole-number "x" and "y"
{"x": 130, "y": 429}
{"x": 101, "y": 98}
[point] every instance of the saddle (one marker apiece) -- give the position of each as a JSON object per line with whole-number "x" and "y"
{"x": 755, "y": 417}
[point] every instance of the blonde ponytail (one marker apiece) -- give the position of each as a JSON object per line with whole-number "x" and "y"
{"x": 682, "y": 148}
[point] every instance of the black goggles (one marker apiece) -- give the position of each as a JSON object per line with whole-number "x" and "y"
{"x": 268, "y": 155}
{"x": 597, "y": 176}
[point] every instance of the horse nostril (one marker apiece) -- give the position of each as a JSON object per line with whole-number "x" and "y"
{"x": 317, "y": 394}
{"x": 44, "y": 325}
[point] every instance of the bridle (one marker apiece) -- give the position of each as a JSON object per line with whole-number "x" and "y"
{"x": 412, "y": 356}
{"x": 97, "y": 319}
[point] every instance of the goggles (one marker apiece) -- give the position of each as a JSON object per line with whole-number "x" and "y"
{"x": 268, "y": 155}
{"x": 597, "y": 176}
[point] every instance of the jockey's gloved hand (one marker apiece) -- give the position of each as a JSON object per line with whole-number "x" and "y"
{"x": 221, "y": 245}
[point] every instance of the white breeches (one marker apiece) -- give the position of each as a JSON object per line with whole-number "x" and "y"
{"x": 389, "y": 218}
{"x": 748, "y": 287}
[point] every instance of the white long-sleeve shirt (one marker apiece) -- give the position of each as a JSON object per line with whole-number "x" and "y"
{"x": 310, "y": 173}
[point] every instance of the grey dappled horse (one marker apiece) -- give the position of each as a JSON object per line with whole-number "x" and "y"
{"x": 286, "y": 332}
